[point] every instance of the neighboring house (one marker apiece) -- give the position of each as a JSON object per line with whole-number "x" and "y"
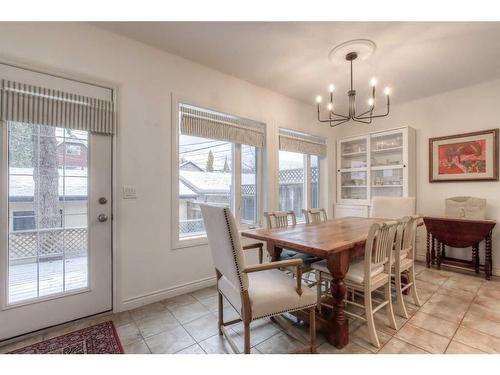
{"x": 72, "y": 153}
{"x": 189, "y": 166}
{"x": 72, "y": 199}
{"x": 197, "y": 186}
{"x": 69, "y": 237}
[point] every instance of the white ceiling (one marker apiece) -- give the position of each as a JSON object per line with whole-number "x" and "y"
{"x": 415, "y": 59}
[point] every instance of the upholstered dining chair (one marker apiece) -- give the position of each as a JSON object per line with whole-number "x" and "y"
{"x": 315, "y": 215}
{"x": 366, "y": 276}
{"x": 255, "y": 291}
{"x": 392, "y": 207}
{"x": 282, "y": 219}
{"x": 404, "y": 261}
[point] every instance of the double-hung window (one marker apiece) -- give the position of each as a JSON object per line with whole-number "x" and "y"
{"x": 219, "y": 163}
{"x": 299, "y": 158}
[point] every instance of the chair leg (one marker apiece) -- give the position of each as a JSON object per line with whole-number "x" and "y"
{"x": 221, "y": 313}
{"x": 312, "y": 329}
{"x": 399, "y": 294}
{"x": 318, "y": 290}
{"x": 247, "y": 337}
{"x": 413, "y": 288}
{"x": 389, "y": 309}
{"x": 369, "y": 319}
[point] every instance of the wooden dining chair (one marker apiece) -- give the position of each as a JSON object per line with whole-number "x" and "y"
{"x": 404, "y": 261}
{"x": 366, "y": 276}
{"x": 283, "y": 219}
{"x": 315, "y": 215}
{"x": 255, "y": 291}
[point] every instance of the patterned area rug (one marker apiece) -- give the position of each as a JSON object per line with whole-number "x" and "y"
{"x": 99, "y": 339}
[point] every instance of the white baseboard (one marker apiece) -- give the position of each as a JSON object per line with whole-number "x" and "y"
{"x": 421, "y": 257}
{"x": 145, "y": 299}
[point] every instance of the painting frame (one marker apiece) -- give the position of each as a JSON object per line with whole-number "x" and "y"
{"x": 488, "y": 138}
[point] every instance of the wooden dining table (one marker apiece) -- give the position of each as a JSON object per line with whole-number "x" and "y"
{"x": 337, "y": 241}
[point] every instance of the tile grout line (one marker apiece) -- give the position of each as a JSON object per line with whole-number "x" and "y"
{"x": 463, "y": 317}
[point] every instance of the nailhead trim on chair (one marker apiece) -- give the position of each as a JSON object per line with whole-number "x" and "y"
{"x": 284, "y": 311}
{"x": 225, "y": 210}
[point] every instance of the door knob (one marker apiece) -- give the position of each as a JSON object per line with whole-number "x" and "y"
{"x": 102, "y": 218}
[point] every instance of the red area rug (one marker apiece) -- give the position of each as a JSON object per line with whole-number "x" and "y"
{"x": 99, "y": 339}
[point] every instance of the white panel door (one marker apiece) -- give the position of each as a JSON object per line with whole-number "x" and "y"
{"x": 55, "y": 226}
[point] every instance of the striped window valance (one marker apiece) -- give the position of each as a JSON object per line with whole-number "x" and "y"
{"x": 199, "y": 122}
{"x": 294, "y": 141}
{"x": 38, "y": 105}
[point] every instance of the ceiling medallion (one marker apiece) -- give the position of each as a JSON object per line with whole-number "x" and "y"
{"x": 349, "y": 51}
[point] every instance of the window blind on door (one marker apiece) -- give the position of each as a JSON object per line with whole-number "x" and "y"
{"x": 199, "y": 122}
{"x": 294, "y": 141}
{"x": 31, "y": 104}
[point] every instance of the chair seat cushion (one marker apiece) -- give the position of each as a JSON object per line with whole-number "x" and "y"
{"x": 356, "y": 271}
{"x": 290, "y": 254}
{"x": 272, "y": 292}
{"x": 402, "y": 254}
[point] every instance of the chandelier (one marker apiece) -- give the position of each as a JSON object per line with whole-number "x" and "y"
{"x": 366, "y": 117}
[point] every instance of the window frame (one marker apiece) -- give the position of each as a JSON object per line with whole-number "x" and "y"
{"x": 306, "y": 184}
{"x": 176, "y": 241}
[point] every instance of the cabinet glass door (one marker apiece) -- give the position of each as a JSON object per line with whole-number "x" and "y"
{"x": 387, "y": 182}
{"x": 387, "y": 178}
{"x": 353, "y": 154}
{"x": 353, "y": 185}
{"x": 386, "y": 150}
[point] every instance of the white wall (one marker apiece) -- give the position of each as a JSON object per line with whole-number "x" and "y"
{"x": 147, "y": 269}
{"x": 460, "y": 111}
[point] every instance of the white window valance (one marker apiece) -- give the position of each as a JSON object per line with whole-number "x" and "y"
{"x": 21, "y": 102}
{"x": 294, "y": 141}
{"x": 199, "y": 122}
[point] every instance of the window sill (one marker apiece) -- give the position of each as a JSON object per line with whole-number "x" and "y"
{"x": 203, "y": 240}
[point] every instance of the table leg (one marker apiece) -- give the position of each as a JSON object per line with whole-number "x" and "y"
{"x": 338, "y": 325}
{"x": 274, "y": 251}
{"x": 475, "y": 257}
{"x": 428, "y": 252}
{"x": 488, "y": 263}
{"x": 433, "y": 251}
{"x": 440, "y": 247}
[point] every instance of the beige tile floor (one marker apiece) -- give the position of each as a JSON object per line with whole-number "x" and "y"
{"x": 460, "y": 314}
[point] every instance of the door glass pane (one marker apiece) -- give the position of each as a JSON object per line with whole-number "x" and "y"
{"x": 248, "y": 185}
{"x": 205, "y": 176}
{"x": 291, "y": 182}
{"x": 48, "y": 223}
{"x": 314, "y": 181}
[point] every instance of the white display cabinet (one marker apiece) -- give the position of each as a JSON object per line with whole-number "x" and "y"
{"x": 378, "y": 164}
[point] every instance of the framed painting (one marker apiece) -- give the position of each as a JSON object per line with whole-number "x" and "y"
{"x": 464, "y": 157}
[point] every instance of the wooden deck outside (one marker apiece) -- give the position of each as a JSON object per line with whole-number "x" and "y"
{"x": 31, "y": 280}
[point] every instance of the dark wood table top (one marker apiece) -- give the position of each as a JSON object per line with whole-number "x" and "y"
{"x": 318, "y": 239}
{"x": 458, "y": 232}
{"x": 458, "y": 220}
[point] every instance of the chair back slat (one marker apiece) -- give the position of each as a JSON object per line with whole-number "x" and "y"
{"x": 379, "y": 245}
{"x": 315, "y": 215}
{"x": 280, "y": 219}
{"x": 225, "y": 245}
{"x": 405, "y": 239}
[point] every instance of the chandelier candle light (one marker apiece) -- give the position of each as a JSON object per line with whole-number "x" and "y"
{"x": 335, "y": 119}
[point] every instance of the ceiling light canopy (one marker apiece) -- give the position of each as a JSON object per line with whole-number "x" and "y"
{"x": 355, "y": 49}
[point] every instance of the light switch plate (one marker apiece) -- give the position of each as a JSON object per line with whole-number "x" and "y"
{"x": 129, "y": 192}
